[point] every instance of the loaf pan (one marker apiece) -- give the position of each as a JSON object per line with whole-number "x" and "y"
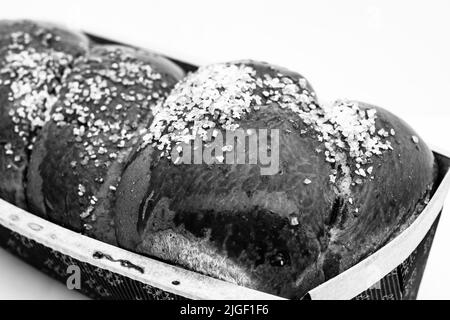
{"x": 394, "y": 272}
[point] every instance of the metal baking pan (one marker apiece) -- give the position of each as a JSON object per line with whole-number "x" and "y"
{"x": 108, "y": 272}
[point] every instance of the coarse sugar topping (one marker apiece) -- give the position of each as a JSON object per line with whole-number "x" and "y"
{"x": 33, "y": 77}
{"x": 349, "y": 138}
{"x": 106, "y": 99}
{"x": 217, "y": 96}
{"x": 105, "y": 102}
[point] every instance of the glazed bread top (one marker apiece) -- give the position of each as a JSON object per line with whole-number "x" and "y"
{"x": 34, "y": 59}
{"x": 109, "y": 142}
{"x": 104, "y": 103}
{"x": 349, "y": 176}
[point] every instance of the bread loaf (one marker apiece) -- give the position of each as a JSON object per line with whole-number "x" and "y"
{"x": 78, "y": 159}
{"x": 235, "y": 171}
{"x": 34, "y": 59}
{"x": 349, "y": 176}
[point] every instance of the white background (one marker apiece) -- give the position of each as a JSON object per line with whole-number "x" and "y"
{"x": 392, "y": 54}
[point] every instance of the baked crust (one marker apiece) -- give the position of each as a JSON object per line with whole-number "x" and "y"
{"x": 105, "y": 102}
{"x": 350, "y": 175}
{"x": 34, "y": 58}
{"x": 91, "y": 133}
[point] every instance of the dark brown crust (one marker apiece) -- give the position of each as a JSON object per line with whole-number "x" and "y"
{"x": 243, "y": 215}
{"x": 61, "y": 162}
{"x": 42, "y": 38}
{"x": 232, "y": 223}
{"x": 402, "y": 183}
{"x": 272, "y": 233}
{"x": 63, "y": 39}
